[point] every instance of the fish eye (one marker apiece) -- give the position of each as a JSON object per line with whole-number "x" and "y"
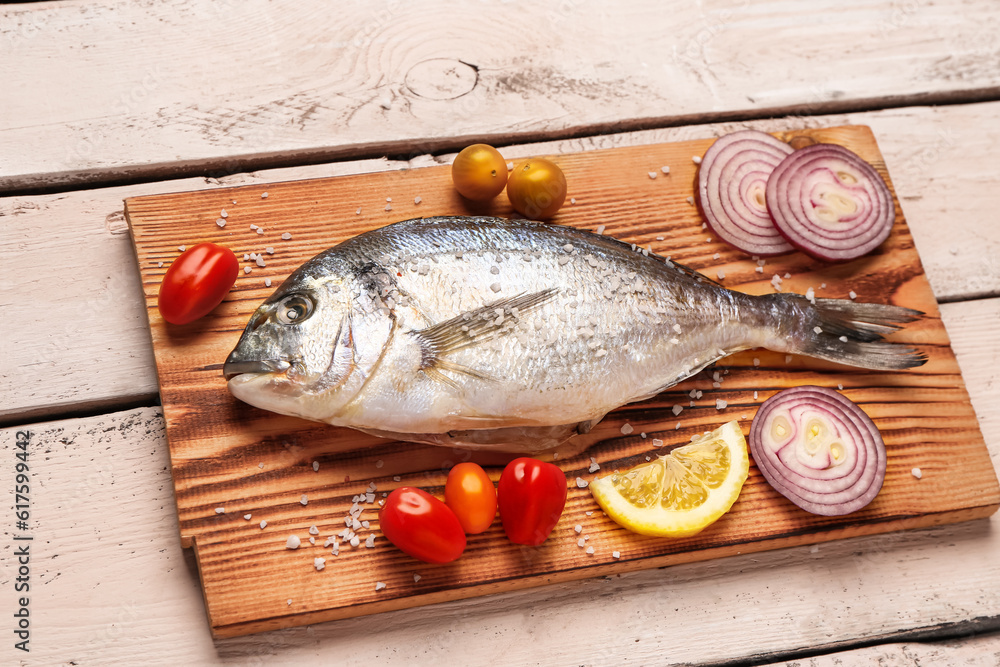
{"x": 294, "y": 308}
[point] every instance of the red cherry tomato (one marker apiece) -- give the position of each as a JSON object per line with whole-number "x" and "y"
{"x": 197, "y": 282}
{"x": 422, "y": 526}
{"x": 470, "y": 494}
{"x": 536, "y": 188}
{"x": 532, "y": 495}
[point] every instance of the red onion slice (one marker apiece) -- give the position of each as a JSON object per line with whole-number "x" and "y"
{"x": 829, "y": 203}
{"x": 819, "y": 450}
{"x": 732, "y": 183}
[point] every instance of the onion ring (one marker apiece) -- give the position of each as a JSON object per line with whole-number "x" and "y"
{"x": 819, "y": 450}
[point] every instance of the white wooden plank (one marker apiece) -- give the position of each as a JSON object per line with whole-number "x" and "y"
{"x": 111, "y": 89}
{"x": 111, "y": 586}
{"x": 976, "y": 651}
{"x": 75, "y": 330}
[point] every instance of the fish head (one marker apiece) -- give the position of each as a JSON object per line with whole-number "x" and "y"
{"x": 298, "y": 353}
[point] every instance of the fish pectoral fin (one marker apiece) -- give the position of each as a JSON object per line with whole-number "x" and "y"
{"x": 473, "y": 328}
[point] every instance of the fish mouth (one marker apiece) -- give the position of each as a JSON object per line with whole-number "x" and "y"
{"x": 235, "y": 366}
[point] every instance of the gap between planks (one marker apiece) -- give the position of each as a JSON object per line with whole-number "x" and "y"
{"x": 405, "y": 150}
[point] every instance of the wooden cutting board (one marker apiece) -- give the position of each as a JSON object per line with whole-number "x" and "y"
{"x": 235, "y": 466}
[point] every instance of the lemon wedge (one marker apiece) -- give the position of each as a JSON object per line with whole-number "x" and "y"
{"x": 682, "y": 492}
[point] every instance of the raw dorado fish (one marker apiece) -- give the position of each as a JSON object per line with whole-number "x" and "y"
{"x": 514, "y": 335}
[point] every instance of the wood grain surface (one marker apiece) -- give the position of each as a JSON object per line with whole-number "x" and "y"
{"x": 208, "y": 86}
{"x": 226, "y": 455}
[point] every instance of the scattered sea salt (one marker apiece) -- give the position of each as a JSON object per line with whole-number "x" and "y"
{"x": 379, "y": 463}
{"x": 852, "y": 294}
{"x": 355, "y": 541}
{"x": 721, "y": 274}
{"x": 840, "y": 387}
{"x": 616, "y": 554}
{"x": 594, "y": 467}
{"x": 696, "y": 159}
{"x": 416, "y": 578}
{"x": 370, "y": 540}
{"x": 626, "y": 429}
{"x": 263, "y": 195}
{"x": 396, "y": 478}
{"x": 652, "y": 174}
{"x": 843, "y": 339}
{"x": 247, "y": 269}
{"x": 916, "y": 472}
{"x": 247, "y": 516}
{"x": 286, "y": 236}
{"x": 379, "y": 585}
{"x": 581, "y": 543}
{"x": 818, "y": 330}
{"x": 690, "y": 200}
{"x": 293, "y": 542}
{"x": 665, "y": 169}
{"x": 260, "y": 465}
{"x": 677, "y": 409}
{"x": 221, "y": 222}
{"x": 319, "y": 563}
{"x": 755, "y": 395}
{"x": 720, "y": 404}
{"x": 263, "y": 524}
{"x": 313, "y": 530}
{"x": 581, "y": 483}
{"x": 304, "y": 499}
{"x": 220, "y": 510}
{"x": 260, "y": 261}
{"x": 590, "y": 550}
{"x": 417, "y": 200}
{"x": 315, "y": 466}
{"x": 578, "y": 528}
{"x": 657, "y": 442}
{"x": 182, "y": 248}
{"x": 388, "y": 207}
{"x": 572, "y": 200}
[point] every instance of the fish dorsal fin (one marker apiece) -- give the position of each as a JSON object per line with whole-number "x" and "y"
{"x": 472, "y": 328}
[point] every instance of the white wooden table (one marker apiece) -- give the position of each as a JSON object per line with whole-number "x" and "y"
{"x": 107, "y": 99}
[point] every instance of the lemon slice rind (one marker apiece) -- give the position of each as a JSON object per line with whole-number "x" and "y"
{"x": 661, "y": 522}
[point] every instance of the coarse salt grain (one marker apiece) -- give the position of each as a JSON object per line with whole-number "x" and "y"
{"x": 293, "y": 542}
{"x": 665, "y": 169}
{"x": 224, "y": 214}
{"x": 355, "y": 541}
{"x": 247, "y": 516}
{"x": 652, "y": 174}
{"x": 581, "y": 543}
{"x": 247, "y": 269}
{"x": 313, "y": 530}
{"x": 388, "y": 207}
{"x": 304, "y": 499}
{"x": 677, "y": 409}
{"x": 182, "y": 248}
{"x": 370, "y": 540}
{"x": 594, "y": 466}
{"x": 916, "y": 472}
{"x": 379, "y": 463}
{"x": 319, "y": 563}
{"x": 220, "y": 510}
{"x": 626, "y": 429}
{"x": 312, "y": 541}
{"x": 590, "y": 550}
{"x": 263, "y": 524}
{"x": 263, "y": 195}
{"x": 221, "y": 222}
{"x": 416, "y": 578}
{"x": 380, "y": 585}
{"x": 396, "y": 478}
{"x": 720, "y": 404}
{"x": 616, "y": 554}
{"x": 417, "y": 199}
{"x": 578, "y": 528}
{"x": 286, "y": 237}
{"x": 581, "y": 483}
{"x": 260, "y": 465}
{"x": 690, "y": 200}
{"x": 267, "y": 282}
{"x": 696, "y": 159}
{"x": 315, "y": 466}
{"x": 572, "y": 200}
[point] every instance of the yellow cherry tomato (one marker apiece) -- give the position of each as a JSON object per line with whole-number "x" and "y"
{"x": 479, "y": 172}
{"x": 536, "y": 188}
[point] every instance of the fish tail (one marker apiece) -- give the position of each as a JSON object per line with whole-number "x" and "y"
{"x": 847, "y": 332}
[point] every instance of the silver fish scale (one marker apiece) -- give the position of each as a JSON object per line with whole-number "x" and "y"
{"x": 609, "y": 325}
{"x": 514, "y": 332}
